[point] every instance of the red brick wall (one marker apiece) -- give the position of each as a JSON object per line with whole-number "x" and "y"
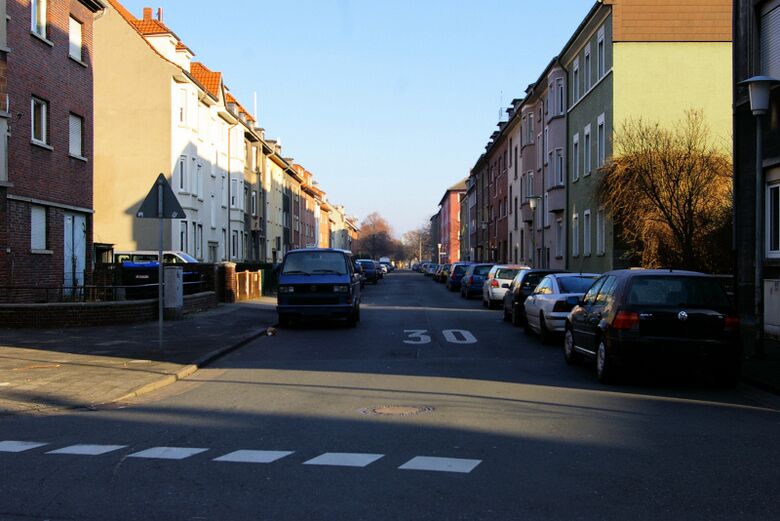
{"x": 45, "y": 71}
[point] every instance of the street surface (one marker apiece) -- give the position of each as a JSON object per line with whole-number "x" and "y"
{"x": 287, "y": 428}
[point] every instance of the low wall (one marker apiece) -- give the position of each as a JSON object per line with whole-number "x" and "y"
{"x": 91, "y": 314}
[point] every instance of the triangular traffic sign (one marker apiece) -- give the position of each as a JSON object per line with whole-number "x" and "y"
{"x": 171, "y": 209}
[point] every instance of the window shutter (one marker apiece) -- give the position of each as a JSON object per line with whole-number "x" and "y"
{"x": 75, "y": 124}
{"x": 770, "y": 43}
{"x": 37, "y": 228}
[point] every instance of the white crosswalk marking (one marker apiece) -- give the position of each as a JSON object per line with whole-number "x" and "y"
{"x": 254, "y": 456}
{"x": 167, "y": 453}
{"x": 87, "y": 450}
{"x": 18, "y": 446}
{"x": 441, "y": 464}
{"x": 344, "y": 459}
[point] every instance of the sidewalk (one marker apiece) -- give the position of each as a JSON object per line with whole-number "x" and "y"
{"x": 764, "y": 373}
{"x": 82, "y": 367}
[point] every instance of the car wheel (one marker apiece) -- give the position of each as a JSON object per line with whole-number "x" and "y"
{"x": 605, "y": 364}
{"x": 571, "y": 356}
{"x": 545, "y": 335}
{"x": 516, "y": 317}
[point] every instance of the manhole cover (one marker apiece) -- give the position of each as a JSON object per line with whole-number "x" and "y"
{"x": 396, "y": 410}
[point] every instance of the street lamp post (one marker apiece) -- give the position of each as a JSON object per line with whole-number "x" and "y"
{"x": 759, "y": 88}
{"x": 533, "y": 201}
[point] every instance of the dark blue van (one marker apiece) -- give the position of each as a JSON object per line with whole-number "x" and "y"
{"x": 318, "y": 283}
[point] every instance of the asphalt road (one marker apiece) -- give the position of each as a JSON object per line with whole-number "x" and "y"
{"x": 286, "y": 429}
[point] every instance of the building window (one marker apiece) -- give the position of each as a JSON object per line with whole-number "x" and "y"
{"x": 183, "y": 236}
{"x": 600, "y": 54}
{"x": 586, "y": 151}
{"x": 586, "y": 233}
{"x": 199, "y": 242}
{"x": 76, "y": 135}
{"x": 587, "y": 69}
{"x": 575, "y": 235}
{"x": 561, "y": 96}
{"x": 224, "y": 244}
{"x": 530, "y": 188}
{"x": 515, "y": 162}
{"x": 601, "y": 228}
{"x": 223, "y": 191}
{"x": 38, "y": 17}
{"x": 182, "y": 107}
{"x": 559, "y": 238}
{"x": 38, "y": 228}
{"x": 254, "y": 202}
{"x": 559, "y": 170}
{"x": 773, "y": 220}
{"x": 39, "y": 110}
{"x": 213, "y": 211}
{"x": 540, "y": 151}
{"x": 234, "y": 244}
{"x": 601, "y": 139}
{"x": 575, "y": 84}
{"x": 575, "y": 158}
{"x": 546, "y": 209}
{"x": 546, "y": 143}
{"x": 75, "y": 37}
{"x": 182, "y": 173}
{"x": 769, "y": 42}
{"x": 234, "y": 193}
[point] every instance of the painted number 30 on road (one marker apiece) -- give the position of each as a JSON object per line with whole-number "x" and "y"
{"x": 453, "y": 336}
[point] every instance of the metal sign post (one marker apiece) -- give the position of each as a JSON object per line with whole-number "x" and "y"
{"x": 161, "y": 203}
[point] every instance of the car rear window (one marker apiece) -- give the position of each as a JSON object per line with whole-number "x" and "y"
{"x": 532, "y": 279}
{"x": 677, "y": 291}
{"x": 506, "y": 273}
{"x": 482, "y": 270}
{"x": 459, "y": 270}
{"x": 575, "y": 284}
{"x": 315, "y": 263}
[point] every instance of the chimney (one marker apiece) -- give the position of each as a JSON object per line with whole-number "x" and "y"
{"x": 159, "y": 14}
{"x": 147, "y": 13}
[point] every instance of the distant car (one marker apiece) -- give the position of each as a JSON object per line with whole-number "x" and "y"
{"x": 555, "y": 296}
{"x": 456, "y": 274}
{"x": 442, "y": 273}
{"x": 521, "y": 286}
{"x": 383, "y": 267}
{"x": 318, "y": 283}
{"x": 497, "y": 283}
{"x": 473, "y": 279}
{"x": 430, "y": 269}
{"x": 379, "y": 269}
{"x": 142, "y": 256}
{"x": 369, "y": 270}
{"x": 665, "y": 317}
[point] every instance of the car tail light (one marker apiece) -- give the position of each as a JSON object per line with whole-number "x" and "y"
{"x": 626, "y": 320}
{"x": 731, "y": 322}
{"x": 471, "y": 280}
{"x": 562, "y": 306}
{"x": 494, "y": 283}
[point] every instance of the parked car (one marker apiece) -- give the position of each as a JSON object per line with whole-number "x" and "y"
{"x": 473, "y": 279}
{"x": 521, "y": 286}
{"x": 318, "y": 283}
{"x": 442, "y": 273}
{"x": 547, "y": 307}
{"x": 669, "y": 317}
{"x": 369, "y": 270}
{"x": 497, "y": 283}
{"x": 380, "y": 272}
{"x": 456, "y": 274}
{"x": 430, "y": 269}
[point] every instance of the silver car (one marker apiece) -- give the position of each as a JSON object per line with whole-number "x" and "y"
{"x": 548, "y": 306}
{"x": 497, "y": 283}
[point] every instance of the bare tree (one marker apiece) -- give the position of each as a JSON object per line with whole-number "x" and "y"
{"x": 417, "y": 242}
{"x": 669, "y": 194}
{"x": 376, "y": 237}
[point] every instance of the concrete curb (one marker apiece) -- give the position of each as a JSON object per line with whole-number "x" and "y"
{"x": 189, "y": 369}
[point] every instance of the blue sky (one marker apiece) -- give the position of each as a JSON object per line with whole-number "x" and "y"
{"x": 386, "y": 102}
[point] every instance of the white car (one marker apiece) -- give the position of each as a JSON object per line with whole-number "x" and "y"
{"x": 548, "y": 306}
{"x": 497, "y": 283}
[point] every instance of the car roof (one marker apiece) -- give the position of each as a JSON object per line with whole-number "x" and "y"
{"x": 657, "y": 272}
{"x": 570, "y": 274}
{"x": 347, "y": 252}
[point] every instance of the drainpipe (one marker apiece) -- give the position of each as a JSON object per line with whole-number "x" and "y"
{"x": 229, "y": 238}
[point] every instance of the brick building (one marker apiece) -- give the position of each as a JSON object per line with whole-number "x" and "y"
{"x": 46, "y": 194}
{"x": 449, "y": 222}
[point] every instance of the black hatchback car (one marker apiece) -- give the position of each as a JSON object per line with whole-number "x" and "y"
{"x": 668, "y": 318}
{"x": 522, "y": 285}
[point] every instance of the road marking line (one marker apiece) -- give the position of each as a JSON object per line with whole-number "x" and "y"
{"x": 87, "y": 450}
{"x": 344, "y": 459}
{"x": 19, "y": 446}
{"x": 254, "y": 456}
{"x": 441, "y": 464}
{"x": 167, "y": 453}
